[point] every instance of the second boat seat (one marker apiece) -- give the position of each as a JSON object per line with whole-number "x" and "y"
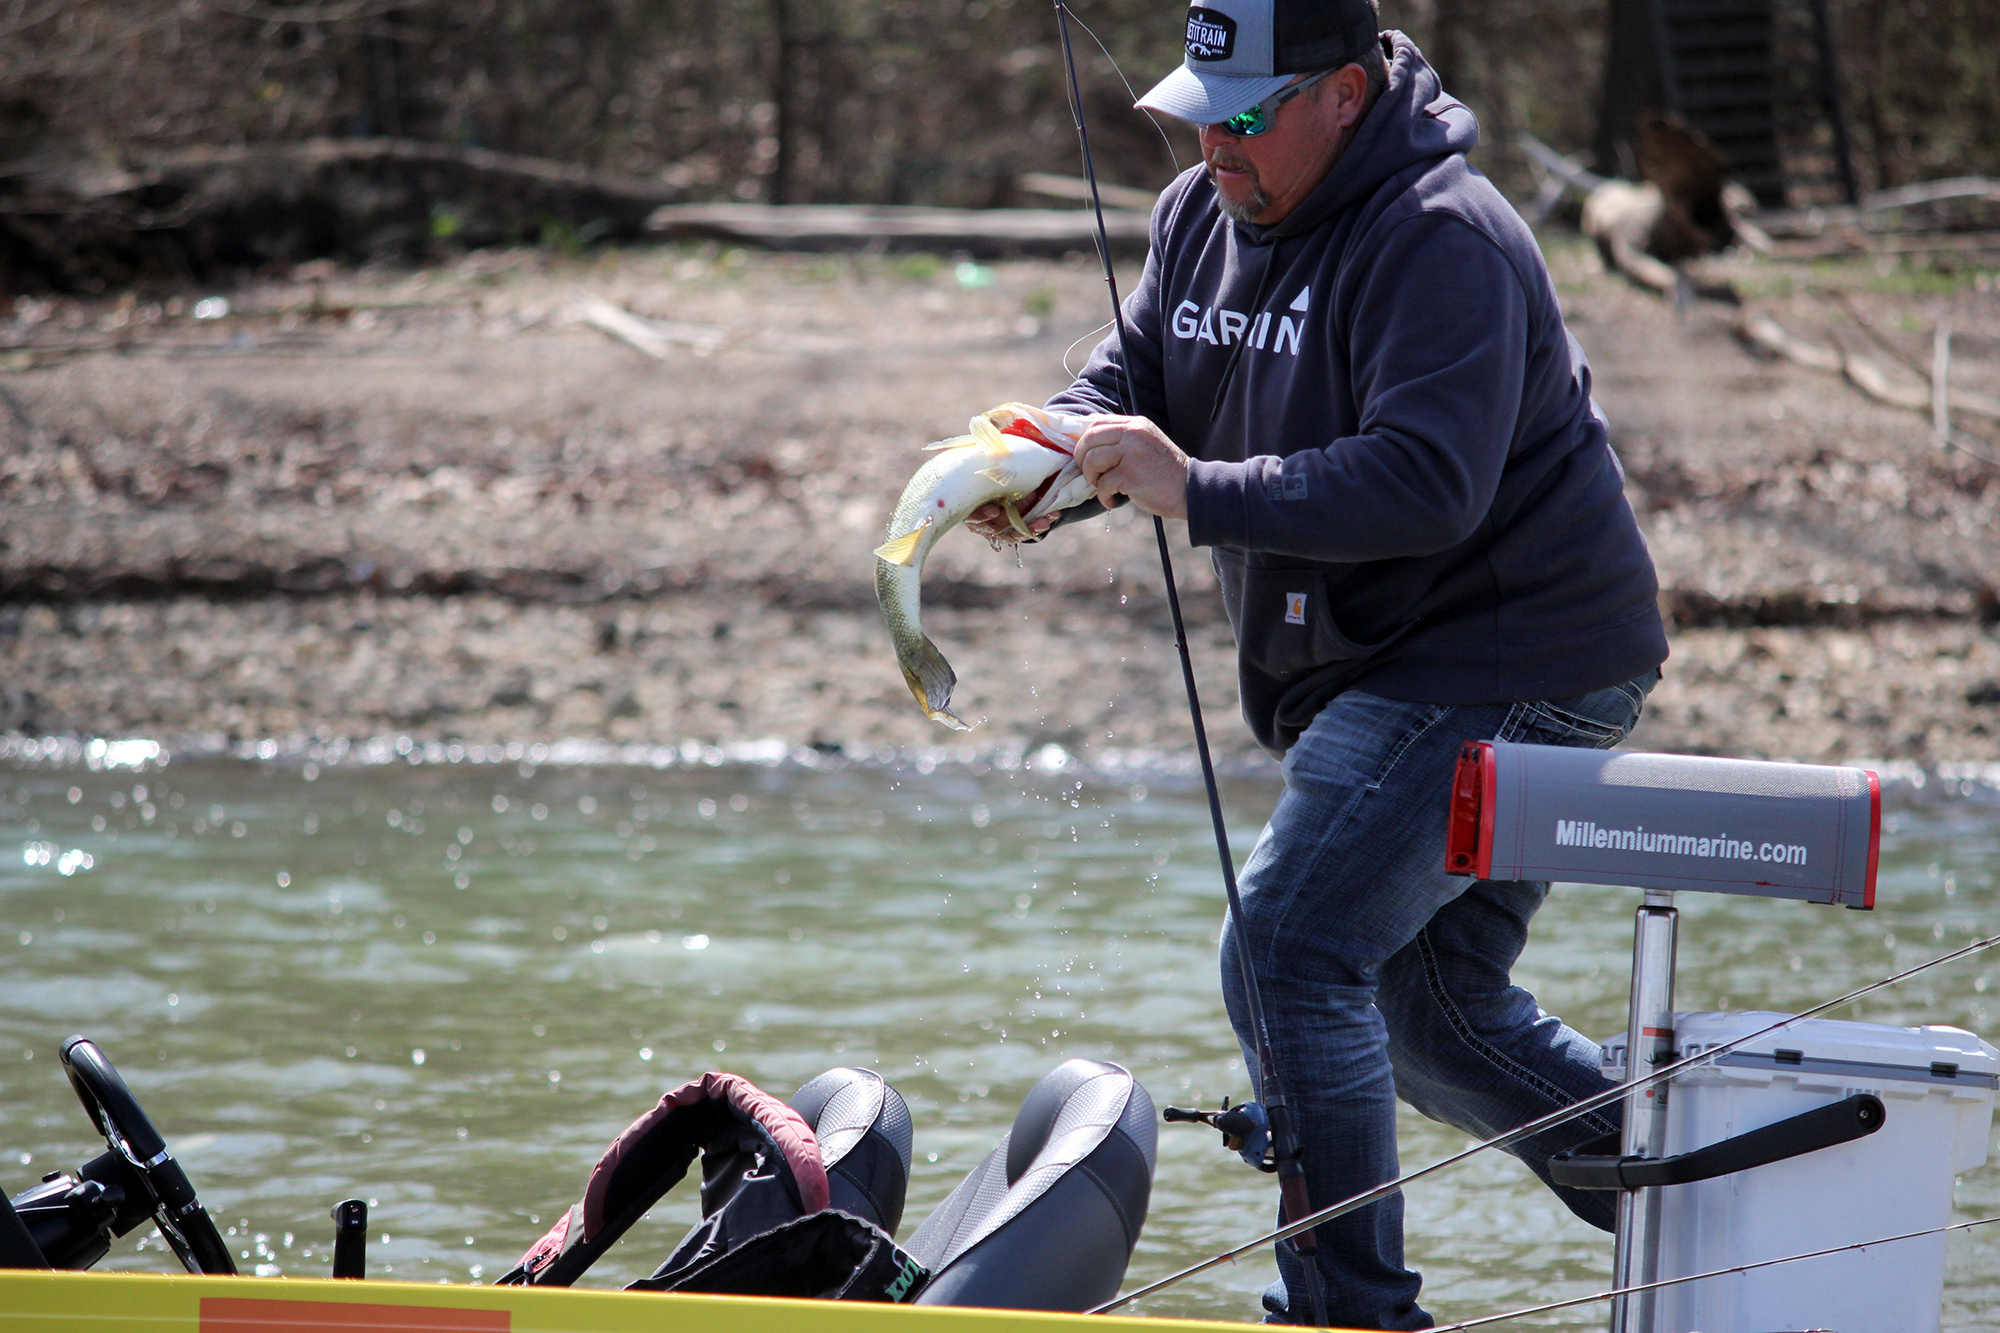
{"x": 1049, "y": 1219}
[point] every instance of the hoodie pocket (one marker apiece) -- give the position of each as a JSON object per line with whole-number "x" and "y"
{"x": 1282, "y": 618}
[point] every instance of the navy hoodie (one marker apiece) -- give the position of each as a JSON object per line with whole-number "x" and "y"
{"x": 1404, "y": 483}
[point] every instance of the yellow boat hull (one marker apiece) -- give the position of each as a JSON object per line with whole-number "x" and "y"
{"x": 156, "y": 1303}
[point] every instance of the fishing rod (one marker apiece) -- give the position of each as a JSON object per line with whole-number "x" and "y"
{"x": 1294, "y": 1196}
{"x": 1614, "y": 1093}
{"x": 1713, "y": 1272}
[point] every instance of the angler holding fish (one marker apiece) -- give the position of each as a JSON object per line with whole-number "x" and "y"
{"x": 1345, "y": 369}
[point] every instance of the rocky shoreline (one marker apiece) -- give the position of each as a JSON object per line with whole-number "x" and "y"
{"x": 440, "y": 504}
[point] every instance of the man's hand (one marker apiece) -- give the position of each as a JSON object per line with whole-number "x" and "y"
{"x": 990, "y": 522}
{"x": 1130, "y": 456}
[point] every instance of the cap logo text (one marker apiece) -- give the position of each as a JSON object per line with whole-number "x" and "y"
{"x": 1211, "y": 34}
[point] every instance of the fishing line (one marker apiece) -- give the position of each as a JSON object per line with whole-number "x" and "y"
{"x": 1713, "y": 1272}
{"x": 1617, "y": 1092}
{"x": 1072, "y": 347}
{"x": 1172, "y": 156}
{"x": 1295, "y": 1198}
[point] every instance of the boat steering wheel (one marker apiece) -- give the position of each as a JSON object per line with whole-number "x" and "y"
{"x": 182, "y": 1220}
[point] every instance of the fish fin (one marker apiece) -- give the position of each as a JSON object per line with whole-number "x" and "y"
{"x": 998, "y": 476}
{"x": 931, "y": 679}
{"x": 1014, "y": 520}
{"x": 955, "y": 442}
{"x": 989, "y": 437}
{"x": 903, "y": 550}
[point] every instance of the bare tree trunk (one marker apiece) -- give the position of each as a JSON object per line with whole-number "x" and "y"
{"x": 784, "y": 96}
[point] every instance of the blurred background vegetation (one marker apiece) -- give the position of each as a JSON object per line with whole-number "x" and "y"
{"x": 888, "y": 101}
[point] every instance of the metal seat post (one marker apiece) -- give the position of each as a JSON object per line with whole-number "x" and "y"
{"x": 1649, "y": 1041}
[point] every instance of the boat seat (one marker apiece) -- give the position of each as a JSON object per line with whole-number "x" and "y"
{"x": 863, "y": 1128}
{"x": 1049, "y": 1219}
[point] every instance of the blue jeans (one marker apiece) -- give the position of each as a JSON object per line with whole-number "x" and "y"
{"x": 1382, "y": 976}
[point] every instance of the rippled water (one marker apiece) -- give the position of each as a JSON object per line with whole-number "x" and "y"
{"x": 445, "y": 987}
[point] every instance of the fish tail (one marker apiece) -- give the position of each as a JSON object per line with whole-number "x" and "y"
{"x": 931, "y": 679}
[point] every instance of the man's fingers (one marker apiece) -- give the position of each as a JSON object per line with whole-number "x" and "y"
{"x": 1097, "y": 457}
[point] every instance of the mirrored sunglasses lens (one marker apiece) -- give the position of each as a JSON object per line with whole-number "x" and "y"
{"x": 1247, "y": 124}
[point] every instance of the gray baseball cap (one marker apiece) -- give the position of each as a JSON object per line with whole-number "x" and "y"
{"x": 1239, "y": 52}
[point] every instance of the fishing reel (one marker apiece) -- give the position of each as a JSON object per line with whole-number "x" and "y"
{"x": 1245, "y": 1128}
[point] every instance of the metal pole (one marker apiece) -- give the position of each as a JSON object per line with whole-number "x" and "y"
{"x": 1649, "y": 1043}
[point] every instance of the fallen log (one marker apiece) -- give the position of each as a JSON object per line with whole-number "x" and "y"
{"x": 983, "y": 233}
{"x": 69, "y": 223}
{"x": 1766, "y": 335}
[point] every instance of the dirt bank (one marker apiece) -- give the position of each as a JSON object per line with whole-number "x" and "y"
{"x": 437, "y": 503}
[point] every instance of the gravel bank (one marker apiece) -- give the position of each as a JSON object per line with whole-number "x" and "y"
{"x": 434, "y": 503}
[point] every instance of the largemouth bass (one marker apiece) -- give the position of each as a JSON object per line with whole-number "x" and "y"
{"x": 1020, "y": 456}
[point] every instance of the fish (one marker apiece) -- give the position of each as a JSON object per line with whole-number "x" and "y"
{"x": 1014, "y": 454}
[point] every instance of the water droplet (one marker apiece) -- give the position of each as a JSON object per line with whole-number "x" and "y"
{"x": 645, "y": 1052}
{"x": 694, "y": 941}
{"x": 417, "y": 1056}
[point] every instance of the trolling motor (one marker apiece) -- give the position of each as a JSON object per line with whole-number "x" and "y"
{"x": 1246, "y": 1130}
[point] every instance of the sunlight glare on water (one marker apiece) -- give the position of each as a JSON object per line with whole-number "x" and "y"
{"x": 445, "y": 988}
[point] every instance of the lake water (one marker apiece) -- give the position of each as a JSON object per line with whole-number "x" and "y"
{"x": 444, "y": 987}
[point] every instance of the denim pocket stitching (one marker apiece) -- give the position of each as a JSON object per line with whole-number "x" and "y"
{"x": 1410, "y": 737}
{"x": 1510, "y": 727}
{"x": 1593, "y": 730}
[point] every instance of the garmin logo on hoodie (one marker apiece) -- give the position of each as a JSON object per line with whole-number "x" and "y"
{"x": 1225, "y": 327}
{"x": 1211, "y": 34}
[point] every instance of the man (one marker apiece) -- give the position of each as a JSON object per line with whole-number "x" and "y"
{"x": 1353, "y": 383}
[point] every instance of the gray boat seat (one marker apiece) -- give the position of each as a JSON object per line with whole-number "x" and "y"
{"x": 1049, "y": 1219}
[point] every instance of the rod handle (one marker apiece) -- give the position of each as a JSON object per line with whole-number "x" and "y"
{"x": 350, "y": 1239}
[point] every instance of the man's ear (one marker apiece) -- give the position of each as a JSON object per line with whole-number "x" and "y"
{"x": 1347, "y": 89}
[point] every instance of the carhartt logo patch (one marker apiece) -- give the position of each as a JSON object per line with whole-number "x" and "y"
{"x": 1211, "y": 34}
{"x": 1295, "y": 608}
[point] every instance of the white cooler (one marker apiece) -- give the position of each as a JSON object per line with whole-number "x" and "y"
{"x": 1936, "y": 1085}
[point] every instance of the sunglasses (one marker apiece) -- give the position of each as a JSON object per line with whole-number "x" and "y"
{"x": 1249, "y": 124}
